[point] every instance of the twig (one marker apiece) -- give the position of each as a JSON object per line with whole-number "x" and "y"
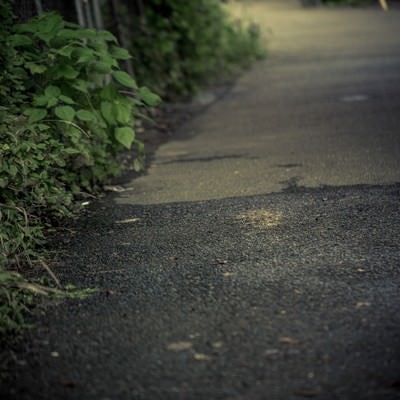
{"x": 51, "y": 273}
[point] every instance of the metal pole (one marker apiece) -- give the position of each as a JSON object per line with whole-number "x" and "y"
{"x": 122, "y": 39}
{"x": 39, "y": 6}
{"x": 79, "y": 13}
{"x": 384, "y": 5}
{"x": 98, "y": 19}
{"x": 88, "y": 12}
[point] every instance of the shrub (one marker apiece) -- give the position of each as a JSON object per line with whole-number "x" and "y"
{"x": 63, "y": 121}
{"x": 181, "y": 44}
{"x": 66, "y": 111}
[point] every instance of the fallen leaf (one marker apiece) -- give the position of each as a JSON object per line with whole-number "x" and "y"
{"x": 180, "y": 346}
{"x": 217, "y": 345}
{"x": 194, "y": 335}
{"x": 221, "y": 262}
{"x": 201, "y": 357}
{"x": 363, "y": 304}
{"x": 271, "y": 352}
{"x": 226, "y": 274}
{"x": 289, "y": 340}
{"x": 55, "y": 354}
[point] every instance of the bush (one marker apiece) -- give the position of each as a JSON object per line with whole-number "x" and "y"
{"x": 66, "y": 110}
{"x": 63, "y": 120}
{"x": 179, "y": 44}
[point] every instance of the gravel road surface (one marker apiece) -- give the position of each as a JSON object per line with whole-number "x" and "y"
{"x": 258, "y": 257}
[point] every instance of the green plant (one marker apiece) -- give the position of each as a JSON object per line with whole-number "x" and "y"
{"x": 69, "y": 81}
{"x": 63, "y": 122}
{"x": 66, "y": 111}
{"x": 180, "y": 45}
{"x": 17, "y": 295}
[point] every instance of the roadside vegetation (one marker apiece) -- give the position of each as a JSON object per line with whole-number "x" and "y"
{"x": 68, "y": 109}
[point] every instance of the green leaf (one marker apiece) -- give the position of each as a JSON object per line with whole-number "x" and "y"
{"x": 13, "y": 170}
{"x": 53, "y": 101}
{"x": 85, "y": 115}
{"x": 45, "y": 36}
{"x": 125, "y": 136}
{"x": 66, "y": 99}
{"x": 71, "y": 151}
{"x": 49, "y": 22}
{"x": 119, "y": 53}
{"x": 52, "y": 91}
{"x": 108, "y": 59}
{"x": 107, "y": 112}
{"x": 140, "y": 146}
{"x": 35, "y": 114}
{"x": 20, "y": 40}
{"x": 40, "y": 101}
{"x": 124, "y": 112}
{"x": 65, "y": 113}
{"x": 66, "y": 71}
{"x": 43, "y": 127}
{"x": 81, "y": 85}
{"x": 87, "y": 33}
{"x": 109, "y": 92}
{"x": 3, "y": 183}
{"x": 31, "y": 26}
{"x": 68, "y": 34}
{"x": 148, "y": 97}
{"x": 20, "y": 73}
{"x": 107, "y": 36}
{"x": 66, "y": 51}
{"x": 102, "y": 67}
{"x": 137, "y": 165}
{"x": 124, "y": 79}
{"x": 84, "y": 55}
{"x": 35, "y": 68}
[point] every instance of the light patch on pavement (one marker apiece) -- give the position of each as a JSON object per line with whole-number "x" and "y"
{"x": 261, "y": 218}
{"x": 354, "y": 98}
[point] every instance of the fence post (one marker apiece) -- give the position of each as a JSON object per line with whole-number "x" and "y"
{"x": 39, "y": 6}
{"x": 79, "y": 13}
{"x": 384, "y": 5}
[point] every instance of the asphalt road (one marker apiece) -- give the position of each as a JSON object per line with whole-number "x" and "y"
{"x": 258, "y": 257}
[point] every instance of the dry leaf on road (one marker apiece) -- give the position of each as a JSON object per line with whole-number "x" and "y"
{"x": 201, "y": 357}
{"x": 180, "y": 346}
{"x": 288, "y": 340}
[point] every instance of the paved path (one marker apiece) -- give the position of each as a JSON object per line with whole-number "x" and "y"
{"x": 259, "y": 256}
